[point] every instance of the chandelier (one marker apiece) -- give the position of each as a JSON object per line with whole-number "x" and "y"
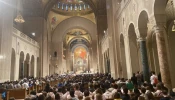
{"x": 19, "y": 18}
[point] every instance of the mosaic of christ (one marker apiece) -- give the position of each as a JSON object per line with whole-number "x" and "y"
{"x": 80, "y": 56}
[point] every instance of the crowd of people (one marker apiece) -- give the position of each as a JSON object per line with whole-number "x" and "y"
{"x": 94, "y": 87}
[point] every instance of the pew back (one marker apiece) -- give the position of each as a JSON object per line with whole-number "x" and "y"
{"x": 17, "y": 93}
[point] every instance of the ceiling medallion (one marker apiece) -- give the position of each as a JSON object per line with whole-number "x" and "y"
{"x": 19, "y": 18}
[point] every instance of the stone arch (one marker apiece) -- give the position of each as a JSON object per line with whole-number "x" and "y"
{"x": 32, "y": 68}
{"x": 162, "y": 42}
{"x": 13, "y": 63}
{"x": 71, "y": 23}
{"x": 142, "y": 42}
{"x": 27, "y": 65}
{"x": 73, "y": 39}
{"x": 21, "y": 65}
{"x": 171, "y": 41}
{"x": 142, "y": 24}
{"x": 76, "y": 27}
{"x": 133, "y": 48}
{"x": 64, "y": 27}
{"x": 123, "y": 56}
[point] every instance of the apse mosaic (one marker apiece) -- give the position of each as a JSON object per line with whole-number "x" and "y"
{"x": 80, "y": 59}
{"x": 80, "y": 56}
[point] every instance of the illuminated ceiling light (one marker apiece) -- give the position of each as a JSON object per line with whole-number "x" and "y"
{"x": 104, "y": 31}
{"x": 19, "y": 18}
{"x": 33, "y": 34}
{"x": 1, "y": 57}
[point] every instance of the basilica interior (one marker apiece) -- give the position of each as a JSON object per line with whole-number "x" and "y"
{"x": 121, "y": 37}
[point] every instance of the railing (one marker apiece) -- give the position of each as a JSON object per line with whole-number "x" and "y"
{"x": 25, "y": 37}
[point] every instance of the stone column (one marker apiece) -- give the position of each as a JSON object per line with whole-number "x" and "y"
{"x": 159, "y": 30}
{"x": 35, "y": 66}
{"x": 6, "y": 26}
{"x": 17, "y": 67}
{"x": 144, "y": 59}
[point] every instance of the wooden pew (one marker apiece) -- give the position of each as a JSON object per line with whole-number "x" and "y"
{"x": 17, "y": 93}
{"x": 1, "y": 96}
{"x": 38, "y": 88}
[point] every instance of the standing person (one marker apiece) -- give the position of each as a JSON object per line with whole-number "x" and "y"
{"x": 129, "y": 85}
{"x": 125, "y": 95}
{"x": 134, "y": 79}
{"x": 139, "y": 78}
{"x": 153, "y": 78}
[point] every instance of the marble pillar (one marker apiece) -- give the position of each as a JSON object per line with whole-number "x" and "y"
{"x": 35, "y": 67}
{"x": 159, "y": 30}
{"x": 17, "y": 67}
{"x": 6, "y": 25}
{"x": 144, "y": 59}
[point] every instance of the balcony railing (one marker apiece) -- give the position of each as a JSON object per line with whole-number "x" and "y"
{"x": 25, "y": 37}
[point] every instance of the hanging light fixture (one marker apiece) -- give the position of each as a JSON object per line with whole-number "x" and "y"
{"x": 19, "y": 18}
